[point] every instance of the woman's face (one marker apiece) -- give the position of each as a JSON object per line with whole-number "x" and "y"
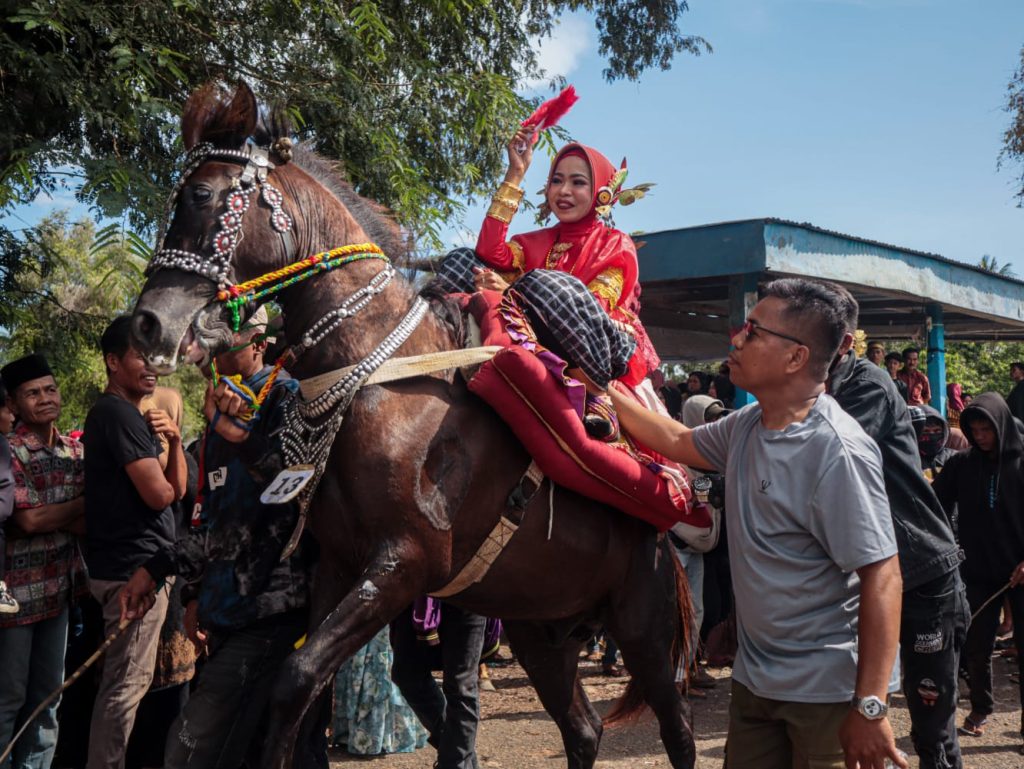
{"x": 570, "y": 194}
{"x": 693, "y": 384}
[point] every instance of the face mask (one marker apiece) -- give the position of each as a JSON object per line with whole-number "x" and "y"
{"x": 930, "y": 444}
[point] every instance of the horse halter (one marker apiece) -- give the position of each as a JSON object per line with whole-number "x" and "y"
{"x": 218, "y": 266}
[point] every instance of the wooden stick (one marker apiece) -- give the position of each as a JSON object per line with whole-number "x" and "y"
{"x": 122, "y": 625}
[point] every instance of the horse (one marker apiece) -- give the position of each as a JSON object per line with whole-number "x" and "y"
{"x": 420, "y": 470}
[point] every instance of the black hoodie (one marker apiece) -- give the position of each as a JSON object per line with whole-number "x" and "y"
{"x": 988, "y": 494}
{"x": 924, "y": 535}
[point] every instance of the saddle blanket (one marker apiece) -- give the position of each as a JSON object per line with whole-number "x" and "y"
{"x": 527, "y": 386}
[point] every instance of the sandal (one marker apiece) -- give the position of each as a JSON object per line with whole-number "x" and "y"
{"x": 973, "y": 726}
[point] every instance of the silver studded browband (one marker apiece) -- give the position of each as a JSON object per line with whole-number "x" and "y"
{"x": 218, "y": 266}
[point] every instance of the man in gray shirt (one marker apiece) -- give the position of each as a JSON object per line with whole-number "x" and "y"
{"x": 811, "y": 544}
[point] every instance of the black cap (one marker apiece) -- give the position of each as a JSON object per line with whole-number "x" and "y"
{"x": 17, "y": 372}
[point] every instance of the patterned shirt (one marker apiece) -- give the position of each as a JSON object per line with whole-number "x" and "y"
{"x": 43, "y": 570}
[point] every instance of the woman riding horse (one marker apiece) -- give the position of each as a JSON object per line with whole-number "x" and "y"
{"x": 419, "y": 473}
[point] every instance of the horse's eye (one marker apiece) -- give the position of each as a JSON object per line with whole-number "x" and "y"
{"x": 201, "y": 194}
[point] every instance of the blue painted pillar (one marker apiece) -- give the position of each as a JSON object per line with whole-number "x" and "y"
{"x": 742, "y": 298}
{"x": 937, "y": 358}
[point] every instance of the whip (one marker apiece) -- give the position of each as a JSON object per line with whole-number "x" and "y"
{"x": 974, "y": 616}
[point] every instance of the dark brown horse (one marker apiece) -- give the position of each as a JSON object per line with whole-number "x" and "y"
{"x": 421, "y": 469}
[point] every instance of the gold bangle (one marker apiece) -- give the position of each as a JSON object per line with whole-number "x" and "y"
{"x": 509, "y": 192}
{"x": 505, "y": 202}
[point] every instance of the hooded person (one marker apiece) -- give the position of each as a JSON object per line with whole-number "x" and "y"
{"x": 985, "y": 485}
{"x": 932, "y": 436}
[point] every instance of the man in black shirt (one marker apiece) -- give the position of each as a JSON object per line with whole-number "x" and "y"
{"x": 129, "y": 524}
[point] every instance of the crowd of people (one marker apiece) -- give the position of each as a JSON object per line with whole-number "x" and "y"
{"x": 852, "y": 534}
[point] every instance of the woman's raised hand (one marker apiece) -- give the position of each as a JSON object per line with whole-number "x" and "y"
{"x": 519, "y": 158}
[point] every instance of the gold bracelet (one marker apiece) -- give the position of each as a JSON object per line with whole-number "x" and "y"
{"x": 505, "y": 202}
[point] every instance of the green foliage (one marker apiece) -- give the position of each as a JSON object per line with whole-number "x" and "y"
{"x": 415, "y": 99}
{"x": 1013, "y": 137}
{"x": 991, "y": 264}
{"x": 68, "y": 286}
{"x": 982, "y": 366}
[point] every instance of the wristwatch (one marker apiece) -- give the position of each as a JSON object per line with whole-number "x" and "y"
{"x": 871, "y": 707}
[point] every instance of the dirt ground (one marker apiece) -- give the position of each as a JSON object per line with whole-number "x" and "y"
{"x": 516, "y": 733}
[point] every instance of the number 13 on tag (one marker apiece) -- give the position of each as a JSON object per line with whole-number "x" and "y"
{"x": 287, "y": 485}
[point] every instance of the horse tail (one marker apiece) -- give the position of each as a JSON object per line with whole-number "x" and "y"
{"x": 632, "y": 702}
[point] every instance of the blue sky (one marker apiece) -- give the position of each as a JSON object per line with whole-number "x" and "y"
{"x": 878, "y": 118}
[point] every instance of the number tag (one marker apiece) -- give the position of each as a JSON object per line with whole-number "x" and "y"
{"x": 287, "y": 485}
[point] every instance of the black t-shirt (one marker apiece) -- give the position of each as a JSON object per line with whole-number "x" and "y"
{"x": 122, "y": 531}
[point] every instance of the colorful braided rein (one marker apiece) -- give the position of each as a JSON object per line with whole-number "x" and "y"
{"x": 251, "y": 291}
{"x": 237, "y": 296}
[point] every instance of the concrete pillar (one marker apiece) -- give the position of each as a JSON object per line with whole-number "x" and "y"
{"x": 937, "y": 358}
{"x": 742, "y": 298}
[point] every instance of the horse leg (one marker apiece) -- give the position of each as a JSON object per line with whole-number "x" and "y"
{"x": 553, "y": 672}
{"x": 380, "y": 594}
{"x": 650, "y": 636}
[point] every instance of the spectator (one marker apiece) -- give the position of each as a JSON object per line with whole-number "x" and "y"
{"x": 919, "y": 391}
{"x": 698, "y": 410}
{"x": 8, "y": 605}
{"x": 129, "y": 524}
{"x": 370, "y": 715}
{"x": 954, "y": 404}
{"x": 175, "y": 656}
{"x": 245, "y": 603}
{"x": 986, "y": 486}
{"x": 934, "y": 614}
{"x": 6, "y": 416}
{"x": 450, "y": 712}
{"x": 725, "y": 391}
{"x": 801, "y": 477}
{"x": 44, "y": 566}
{"x": 697, "y": 384}
{"x": 893, "y": 362}
{"x": 1016, "y": 397}
{"x": 932, "y": 436}
{"x": 876, "y": 354}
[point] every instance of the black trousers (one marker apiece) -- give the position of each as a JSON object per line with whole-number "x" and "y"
{"x": 982, "y": 637}
{"x": 451, "y": 712}
{"x": 222, "y": 724}
{"x": 932, "y": 633}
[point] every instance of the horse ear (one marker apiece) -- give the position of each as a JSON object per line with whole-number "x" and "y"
{"x": 221, "y": 117}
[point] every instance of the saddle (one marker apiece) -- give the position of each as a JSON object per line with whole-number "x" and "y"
{"x": 527, "y": 385}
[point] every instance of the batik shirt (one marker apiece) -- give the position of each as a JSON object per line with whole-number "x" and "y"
{"x": 43, "y": 570}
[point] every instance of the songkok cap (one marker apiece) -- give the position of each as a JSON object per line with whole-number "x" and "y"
{"x": 258, "y": 320}
{"x": 17, "y": 372}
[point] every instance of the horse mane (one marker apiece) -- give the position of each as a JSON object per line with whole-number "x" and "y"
{"x": 221, "y": 115}
{"x": 375, "y": 219}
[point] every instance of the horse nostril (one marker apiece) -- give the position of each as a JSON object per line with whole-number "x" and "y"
{"x": 146, "y": 327}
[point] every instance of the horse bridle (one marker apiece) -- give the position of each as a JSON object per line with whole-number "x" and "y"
{"x": 218, "y": 266}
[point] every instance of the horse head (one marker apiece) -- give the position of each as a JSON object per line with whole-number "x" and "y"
{"x": 224, "y": 197}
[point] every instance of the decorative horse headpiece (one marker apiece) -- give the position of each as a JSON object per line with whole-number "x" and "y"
{"x": 257, "y": 164}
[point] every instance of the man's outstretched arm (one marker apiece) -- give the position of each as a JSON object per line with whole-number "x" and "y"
{"x": 668, "y": 437}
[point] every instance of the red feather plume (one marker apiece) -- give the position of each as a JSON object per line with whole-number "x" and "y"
{"x": 550, "y": 112}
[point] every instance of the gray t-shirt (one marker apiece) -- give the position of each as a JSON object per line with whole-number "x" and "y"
{"x": 805, "y": 507}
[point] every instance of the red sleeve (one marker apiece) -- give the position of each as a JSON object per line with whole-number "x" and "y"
{"x": 492, "y": 246}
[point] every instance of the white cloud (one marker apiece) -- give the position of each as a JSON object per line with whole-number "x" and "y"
{"x": 560, "y": 54}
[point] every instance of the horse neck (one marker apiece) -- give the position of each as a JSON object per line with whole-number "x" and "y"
{"x": 323, "y": 222}
{"x": 357, "y": 336}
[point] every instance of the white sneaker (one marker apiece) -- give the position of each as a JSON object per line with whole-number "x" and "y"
{"x": 7, "y": 603}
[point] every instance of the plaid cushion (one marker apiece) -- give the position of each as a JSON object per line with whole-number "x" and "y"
{"x": 582, "y": 331}
{"x": 455, "y": 275}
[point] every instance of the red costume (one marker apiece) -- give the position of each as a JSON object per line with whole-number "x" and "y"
{"x": 602, "y": 257}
